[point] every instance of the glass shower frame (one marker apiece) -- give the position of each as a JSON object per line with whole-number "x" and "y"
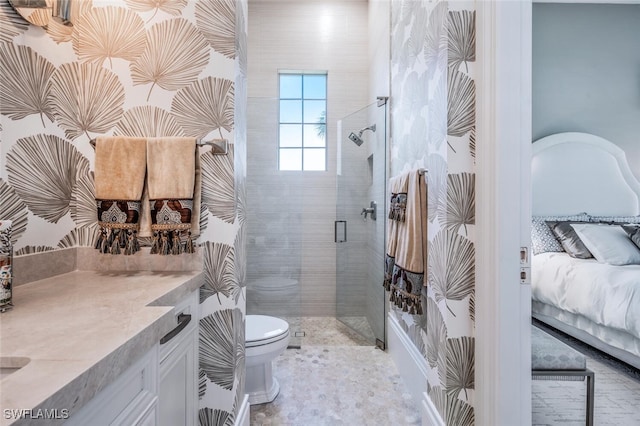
{"x": 360, "y": 239}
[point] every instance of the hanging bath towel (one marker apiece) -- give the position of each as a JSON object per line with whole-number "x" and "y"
{"x": 120, "y": 166}
{"x": 406, "y": 254}
{"x": 174, "y": 194}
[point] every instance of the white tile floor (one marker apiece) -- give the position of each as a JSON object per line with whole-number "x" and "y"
{"x": 332, "y": 380}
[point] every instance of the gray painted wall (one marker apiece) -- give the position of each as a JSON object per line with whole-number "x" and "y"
{"x": 586, "y": 73}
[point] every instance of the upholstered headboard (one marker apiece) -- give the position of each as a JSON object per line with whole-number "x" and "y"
{"x": 573, "y": 173}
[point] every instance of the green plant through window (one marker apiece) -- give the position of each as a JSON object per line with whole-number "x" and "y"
{"x": 302, "y": 137}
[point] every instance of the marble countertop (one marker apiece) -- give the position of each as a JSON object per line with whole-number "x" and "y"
{"x": 81, "y": 330}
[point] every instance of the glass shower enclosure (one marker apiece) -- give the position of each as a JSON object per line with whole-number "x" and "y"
{"x": 360, "y": 221}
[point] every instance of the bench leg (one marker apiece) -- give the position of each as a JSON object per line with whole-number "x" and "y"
{"x": 588, "y": 374}
{"x": 590, "y": 396}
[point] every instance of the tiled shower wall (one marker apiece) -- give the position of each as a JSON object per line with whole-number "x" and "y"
{"x": 296, "y": 210}
{"x": 433, "y": 126}
{"x": 178, "y": 69}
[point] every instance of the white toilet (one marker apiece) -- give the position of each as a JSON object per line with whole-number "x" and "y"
{"x": 265, "y": 338}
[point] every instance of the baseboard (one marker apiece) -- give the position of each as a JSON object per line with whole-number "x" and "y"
{"x": 244, "y": 413}
{"x": 413, "y": 369}
{"x": 430, "y": 415}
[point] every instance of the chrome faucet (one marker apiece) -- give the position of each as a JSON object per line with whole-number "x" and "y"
{"x": 372, "y": 210}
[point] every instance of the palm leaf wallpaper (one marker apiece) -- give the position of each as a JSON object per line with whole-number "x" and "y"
{"x": 149, "y": 121}
{"x": 459, "y": 413}
{"x": 436, "y": 331}
{"x": 461, "y": 201}
{"x": 462, "y": 103}
{"x": 218, "y": 271}
{"x": 33, "y": 249}
{"x": 417, "y": 33}
{"x": 205, "y": 106}
{"x": 218, "y": 25}
{"x": 444, "y": 80}
{"x": 14, "y": 209}
{"x": 437, "y": 187}
{"x": 172, "y": 7}
{"x": 218, "y": 185}
{"x": 107, "y": 33}
{"x": 439, "y": 398}
{"x": 88, "y": 98}
{"x": 451, "y": 271}
{"x": 460, "y": 366}
{"x": 139, "y": 68}
{"x": 80, "y": 237}
{"x": 217, "y": 417}
{"x": 218, "y": 354}
{"x": 43, "y": 170}
{"x": 25, "y": 85}
{"x": 202, "y": 383}
{"x": 435, "y": 51}
{"x": 461, "y": 31}
{"x": 174, "y": 55}
{"x": 82, "y": 203}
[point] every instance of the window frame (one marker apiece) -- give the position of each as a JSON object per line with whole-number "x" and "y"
{"x": 303, "y": 147}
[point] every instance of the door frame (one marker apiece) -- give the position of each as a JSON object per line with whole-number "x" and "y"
{"x": 503, "y": 302}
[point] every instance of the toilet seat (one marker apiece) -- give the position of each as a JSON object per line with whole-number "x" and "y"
{"x": 262, "y": 330}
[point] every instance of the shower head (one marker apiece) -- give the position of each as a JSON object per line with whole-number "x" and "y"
{"x": 357, "y": 139}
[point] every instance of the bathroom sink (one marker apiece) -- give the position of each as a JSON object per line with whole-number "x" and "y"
{"x": 9, "y": 365}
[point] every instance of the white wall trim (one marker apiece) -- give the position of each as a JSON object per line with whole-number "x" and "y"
{"x": 243, "y": 418}
{"x": 503, "y": 106}
{"x": 413, "y": 368}
{"x": 430, "y": 415}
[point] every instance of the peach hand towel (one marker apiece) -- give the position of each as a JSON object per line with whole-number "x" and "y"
{"x": 174, "y": 193}
{"x": 120, "y": 167}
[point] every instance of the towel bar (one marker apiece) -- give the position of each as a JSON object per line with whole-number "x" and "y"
{"x": 218, "y": 146}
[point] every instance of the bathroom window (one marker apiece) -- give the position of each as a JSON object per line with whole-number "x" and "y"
{"x": 302, "y": 136}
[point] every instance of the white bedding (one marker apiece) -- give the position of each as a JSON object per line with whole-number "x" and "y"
{"x": 607, "y": 295}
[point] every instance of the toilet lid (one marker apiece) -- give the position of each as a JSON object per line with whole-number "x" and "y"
{"x": 262, "y": 329}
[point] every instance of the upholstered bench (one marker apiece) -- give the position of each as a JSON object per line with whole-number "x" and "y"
{"x": 552, "y": 359}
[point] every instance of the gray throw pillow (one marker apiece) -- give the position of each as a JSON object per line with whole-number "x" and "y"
{"x": 633, "y": 232}
{"x": 570, "y": 240}
{"x": 542, "y": 239}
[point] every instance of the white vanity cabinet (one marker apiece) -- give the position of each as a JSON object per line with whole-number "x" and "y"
{"x": 130, "y": 400}
{"x": 158, "y": 389}
{"x": 178, "y": 369}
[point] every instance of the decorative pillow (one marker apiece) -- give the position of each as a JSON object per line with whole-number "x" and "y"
{"x": 615, "y": 220}
{"x": 542, "y": 239}
{"x": 570, "y": 240}
{"x": 633, "y": 232}
{"x": 608, "y": 243}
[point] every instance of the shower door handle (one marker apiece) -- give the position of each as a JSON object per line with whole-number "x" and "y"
{"x": 340, "y": 231}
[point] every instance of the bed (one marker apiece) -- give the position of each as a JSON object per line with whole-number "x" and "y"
{"x": 582, "y": 184}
